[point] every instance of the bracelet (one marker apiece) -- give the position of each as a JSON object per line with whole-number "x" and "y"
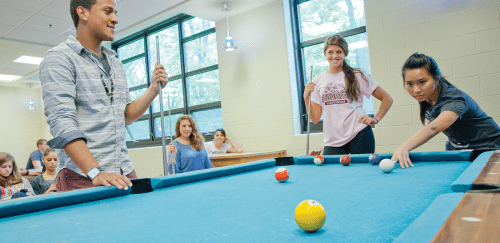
{"x": 376, "y": 119}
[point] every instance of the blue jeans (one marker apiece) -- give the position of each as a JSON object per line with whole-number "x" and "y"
{"x": 18, "y": 195}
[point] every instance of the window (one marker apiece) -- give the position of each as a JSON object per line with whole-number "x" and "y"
{"x": 188, "y": 52}
{"x": 313, "y": 21}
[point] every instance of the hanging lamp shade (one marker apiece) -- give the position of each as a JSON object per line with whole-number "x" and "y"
{"x": 31, "y": 105}
{"x": 229, "y": 44}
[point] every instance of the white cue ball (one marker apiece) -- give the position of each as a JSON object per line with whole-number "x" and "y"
{"x": 386, "y": 165}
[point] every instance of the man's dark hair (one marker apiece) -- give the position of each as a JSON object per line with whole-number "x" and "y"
{"x": 74, "y": 4}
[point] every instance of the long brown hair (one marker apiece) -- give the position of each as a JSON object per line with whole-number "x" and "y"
{"x": 14, "y": 177}
{"x": 195, "y": 138}
{"x": 351, "y": 82}
{"x": 45, "y": 153}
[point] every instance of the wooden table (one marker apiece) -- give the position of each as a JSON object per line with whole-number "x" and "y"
{"x": 476, "y": 217}
{"x": 236, "y": 158}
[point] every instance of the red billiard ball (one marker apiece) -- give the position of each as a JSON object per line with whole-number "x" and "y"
{"x": 318, "y": 160}
{"x": 281, "y": 174}
{"x": 345, "y": 160}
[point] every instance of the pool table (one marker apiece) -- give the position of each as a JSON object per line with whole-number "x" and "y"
{"x": 245, "y": 203}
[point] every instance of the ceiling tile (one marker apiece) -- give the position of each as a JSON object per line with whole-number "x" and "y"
{"x": 34, "y": 36}
{"x": 19, "y": 69}
{"x": 4, "y": 29}
{"x": 133, "y": 8}
{"x": 56, "y": 41}
{"x": 8, "y": 58}
{"x": 41, "y": 23}
{"x": 26, "y": 68}
{"x": 17, "y": 49}
{"x": 10, "y": 16}
{"x": 57, "y": 9}
{"x": 126, "y": 21}
{"x": 25, "y": 5}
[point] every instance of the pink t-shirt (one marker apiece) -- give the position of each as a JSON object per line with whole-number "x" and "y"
{"x": 212, "y": 149}
{"x": 340, "y": 117}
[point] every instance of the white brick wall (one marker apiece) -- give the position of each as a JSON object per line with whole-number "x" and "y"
{"x": 464, "y": 38}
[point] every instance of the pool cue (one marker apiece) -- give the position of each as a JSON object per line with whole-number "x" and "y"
{"x": 163, "y": 143}
{"x": 308, "y": 114}
{"x": 170, "y": 129}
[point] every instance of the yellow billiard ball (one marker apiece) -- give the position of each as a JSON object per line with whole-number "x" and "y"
{"x": 310, "y": 215}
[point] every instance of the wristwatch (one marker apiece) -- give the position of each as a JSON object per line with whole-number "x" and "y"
{"x": 94, "y": 172}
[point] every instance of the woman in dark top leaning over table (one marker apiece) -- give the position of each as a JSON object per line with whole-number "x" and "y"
{"x": 44, "y": 183}
{"x": 448, "y": 109}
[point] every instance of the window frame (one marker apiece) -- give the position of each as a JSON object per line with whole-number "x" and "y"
{"x": 150, "y": 116}
{"x": 298, "y": 49}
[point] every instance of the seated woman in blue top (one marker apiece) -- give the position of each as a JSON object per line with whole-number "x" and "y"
{"x": 188, "y": 152}
{"x": 448, "y": 109}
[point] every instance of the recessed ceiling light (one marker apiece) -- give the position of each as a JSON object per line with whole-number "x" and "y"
{"x": 8, "y": 78}
{"x": 29, "y": 60}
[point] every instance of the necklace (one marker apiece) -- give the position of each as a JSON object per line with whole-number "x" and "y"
{"x": 48, "y": 177}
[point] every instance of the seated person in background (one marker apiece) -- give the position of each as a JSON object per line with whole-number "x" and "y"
{"x": 219, "y": 147}
{"x": 35, "y": 159}
{"x": 12, "y": 185}
{"x": 187, "y": 150}
{"x": 44, "y": 183}
{"x": 448, "y": 109}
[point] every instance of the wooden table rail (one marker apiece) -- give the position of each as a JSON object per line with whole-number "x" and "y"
{"x": 476, "y": 218}
{"x": 237, "y": 158}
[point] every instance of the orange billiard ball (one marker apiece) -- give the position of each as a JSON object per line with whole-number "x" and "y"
{"x": 281, "y": 174}
{"x": 318, "y": 160}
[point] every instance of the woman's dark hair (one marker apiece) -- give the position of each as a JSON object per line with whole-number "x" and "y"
{"x": 352, "y": 85}
{"x": 45, "y": 153}
{"x": 221, "y": 131}
{"x": 417, "y": 61}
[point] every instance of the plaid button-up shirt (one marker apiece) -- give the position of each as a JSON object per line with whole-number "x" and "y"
{"x": 77, "y": 106}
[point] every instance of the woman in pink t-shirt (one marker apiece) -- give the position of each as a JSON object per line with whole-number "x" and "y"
{"x": 337, "y": 94}
{"x": 218, "y": 146}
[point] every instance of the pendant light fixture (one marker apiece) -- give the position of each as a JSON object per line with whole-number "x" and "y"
{"x": 31, "y": 104}
{"x": 228, "y": 44}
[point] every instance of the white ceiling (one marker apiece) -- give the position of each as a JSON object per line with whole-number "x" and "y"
{"x": 31, "y": 27}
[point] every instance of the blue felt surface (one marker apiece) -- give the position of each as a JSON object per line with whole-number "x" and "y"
{"x": 184, "y": 178}
{"x": 44, "y": 202}
{"x": 464, "y": 182}
{"x": 462, "y": 155}
{"x": 430, "y": 221}
{"x": 362, "y": 205}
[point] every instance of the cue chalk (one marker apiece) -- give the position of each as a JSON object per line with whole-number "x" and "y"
{"x": 142, "y": 185}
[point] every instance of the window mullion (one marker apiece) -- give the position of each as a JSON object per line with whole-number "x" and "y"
{"x": 183, "y": 67}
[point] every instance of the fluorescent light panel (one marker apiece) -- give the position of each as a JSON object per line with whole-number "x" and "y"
{"x": 8, "y": 78}
{"x": 29, "y": 60}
